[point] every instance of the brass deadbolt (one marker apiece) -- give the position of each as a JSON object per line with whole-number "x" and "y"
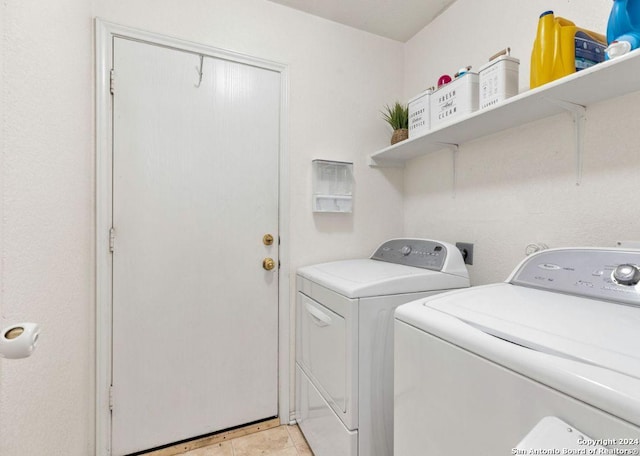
{"x": 268, "y": 264}
{"x": 267, "y": 239}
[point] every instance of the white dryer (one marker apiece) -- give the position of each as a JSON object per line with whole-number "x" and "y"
{"x": 344, "y": 340}
{"x": 546, "y": 363}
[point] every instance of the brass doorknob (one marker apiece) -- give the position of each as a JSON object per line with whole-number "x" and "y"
{"x": 268, "y": 264}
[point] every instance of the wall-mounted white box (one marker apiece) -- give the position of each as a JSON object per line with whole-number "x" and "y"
{"x": 454, "y": 100}
{"x": 498, "y": 80}
{"x": 332, "y": 186}
{"x": 420, "y": 114}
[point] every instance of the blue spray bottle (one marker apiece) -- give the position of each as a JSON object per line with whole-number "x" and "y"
{"x": 623, "y": 29}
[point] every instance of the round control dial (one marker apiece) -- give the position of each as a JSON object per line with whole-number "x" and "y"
{"x": 405, "y": 250}
{"x": 626, "y": 274}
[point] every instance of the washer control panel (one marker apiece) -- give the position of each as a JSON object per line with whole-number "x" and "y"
{"x": 613, "y": 275}
{"x": 419, "y": 253}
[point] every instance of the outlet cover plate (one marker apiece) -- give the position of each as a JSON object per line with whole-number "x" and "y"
{"x": 468, "y": 248}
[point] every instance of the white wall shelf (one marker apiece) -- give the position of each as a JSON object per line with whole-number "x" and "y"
{"x": 601, "y": 82}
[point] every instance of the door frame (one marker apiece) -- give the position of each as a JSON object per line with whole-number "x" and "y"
{"x": 104, "y": 33}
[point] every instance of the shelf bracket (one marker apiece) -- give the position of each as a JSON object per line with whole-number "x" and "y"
{"x": 579, "y": 118}
{"x": 454, "y": 148}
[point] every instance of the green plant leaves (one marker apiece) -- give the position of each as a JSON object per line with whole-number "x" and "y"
{"x": 396, "y": 116}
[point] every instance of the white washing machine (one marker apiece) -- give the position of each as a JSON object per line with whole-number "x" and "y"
{"x": 545, "y": 363}
{"x": 344, "y": 340}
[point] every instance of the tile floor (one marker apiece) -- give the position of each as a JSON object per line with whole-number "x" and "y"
{"x": 278, "y": 441}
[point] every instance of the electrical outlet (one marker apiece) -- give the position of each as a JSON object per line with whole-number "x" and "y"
{"x": 466, "y": 249}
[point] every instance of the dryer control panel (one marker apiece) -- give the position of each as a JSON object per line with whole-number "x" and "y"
{"x": 419, "y": 253}
{"x": 609, "y": 274}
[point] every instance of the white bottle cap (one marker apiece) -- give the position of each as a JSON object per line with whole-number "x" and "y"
{"x": 618, "y": 48}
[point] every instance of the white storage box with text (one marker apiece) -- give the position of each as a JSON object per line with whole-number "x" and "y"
{"x": 419, "y": 114}
{"x": 454, "y": 100}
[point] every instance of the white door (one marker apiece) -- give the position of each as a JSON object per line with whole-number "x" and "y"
{"x": 195, "y": 189}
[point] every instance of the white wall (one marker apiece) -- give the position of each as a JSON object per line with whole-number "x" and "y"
{"x": 519, "y": 186}
{"x": 339, "y": 80}
{"x": 46, "y": 194}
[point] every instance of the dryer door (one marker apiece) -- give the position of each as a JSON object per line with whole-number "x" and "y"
{"x": 326, "y": 349}
{"x": 322, "y": 352}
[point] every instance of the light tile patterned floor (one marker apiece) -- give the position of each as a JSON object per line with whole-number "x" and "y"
{"x": 279, "y": 441}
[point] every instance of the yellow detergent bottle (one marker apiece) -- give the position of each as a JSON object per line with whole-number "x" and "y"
{"x": 562, "y": 48}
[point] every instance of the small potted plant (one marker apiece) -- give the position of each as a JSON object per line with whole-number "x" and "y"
{"x": 398, "y": 117}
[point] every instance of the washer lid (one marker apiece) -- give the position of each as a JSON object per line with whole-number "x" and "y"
{"x": 368, "y": 277}
{"x": 586, "y": 330}
{"x": 586, "y": 348}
